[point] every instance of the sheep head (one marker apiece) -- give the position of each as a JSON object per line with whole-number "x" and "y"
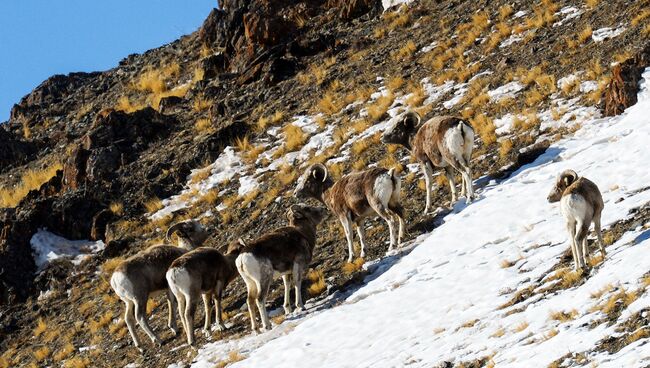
{"x": 299, "y": 213}
{"x": 563, "y": 181}
{"x": 190, "y": 233}
{"x": 402, "y": 130}
{"x": 313, "y": 182}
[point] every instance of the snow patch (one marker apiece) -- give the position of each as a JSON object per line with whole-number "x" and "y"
{"x": 508, "y": 90}
{"x": 47, "y": 247}
{"x": 602, "y": 34}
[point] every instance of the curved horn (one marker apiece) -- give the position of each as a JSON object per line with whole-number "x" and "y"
{"x": 321, "y": 167}
{"x": 173, "y": 229}
{"x": 412, "y": 115}
{"x": 569, "y": 173}
{"x": 566, "y": 174}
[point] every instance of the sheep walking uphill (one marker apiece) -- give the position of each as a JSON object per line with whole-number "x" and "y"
{"x": 443, "y": 141}
{"x": 140, "y": 276}
{"x": 286, "y": 251}
{"x": 202, "y": 271}
{"x": 355, "y": 197}
{"x": 581, "y": 204}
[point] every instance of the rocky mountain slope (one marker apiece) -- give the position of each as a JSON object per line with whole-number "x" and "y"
{"x": 218, "y": 125}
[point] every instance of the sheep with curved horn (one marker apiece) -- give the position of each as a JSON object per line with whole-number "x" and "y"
{"x": 355, "y": 197}
{"x": 138, "y": 277}
{"x": 443, "y": 141}
{"x": 581, "y": 204}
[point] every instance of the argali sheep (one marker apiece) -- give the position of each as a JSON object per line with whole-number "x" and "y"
{"x": 354, "y": 197}
{"x": 287, "y": 251}
{"x": 202, "y": 271}
{"x": 443, "y": 141}
{"x": 138, "y": 277}
{"x": 581, "y": 204}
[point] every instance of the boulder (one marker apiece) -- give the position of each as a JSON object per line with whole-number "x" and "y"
{"x": 621, "y": 91}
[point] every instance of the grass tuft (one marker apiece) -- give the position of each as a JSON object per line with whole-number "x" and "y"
{"x": 30, "y": 180}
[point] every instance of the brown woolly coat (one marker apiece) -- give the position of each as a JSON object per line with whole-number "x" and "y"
{"x": 354, "y": 189}
{"x": 209, "y": 266}
{"x": 428, "y": 142}
{"x": 149, "y": 262}
{"x": 284, "y": 246}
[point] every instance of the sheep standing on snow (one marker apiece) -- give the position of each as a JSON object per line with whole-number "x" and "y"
{"x": 581, "y": 204}
{"x": 355, "y": 197}
{"x": 203, "y": 271}
{"x": 287, "y": 251}
{"x": 443, "y": 141}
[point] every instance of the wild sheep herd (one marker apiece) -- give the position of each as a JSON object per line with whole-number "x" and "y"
{"x": 188, "y": 270}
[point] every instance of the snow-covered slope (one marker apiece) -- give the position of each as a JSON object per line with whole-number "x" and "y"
{"x": 441, "y": 302}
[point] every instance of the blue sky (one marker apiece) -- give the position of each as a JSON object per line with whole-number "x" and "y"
{"x": 40, "y": 38}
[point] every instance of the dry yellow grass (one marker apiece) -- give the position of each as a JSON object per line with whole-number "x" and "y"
{"x": 330, "y": 104}
{"x": 505, "y": 11}
{"x": 201, "y": 104}
{"x": 41, "y": 326}
{"x": 77, "y": 362}
{"x": 520, "y": 327}
{"x": 233, "y": 357}
{"x": 203, "y": 125}
{"x": 406, "y": 52}
{"x": 585, "y": 35}
{"x": 63, "y": 352}
{"x": 600, "y": 292}
{"x": 379, "y": 32}
{"x": 30, "y": 180}
{"x": 42, "y": 353}
{"x": 124, "y": 104}
{"x": 153, "y": 204}
{"x": 563, "y": 316}
{"x": 505, "y": 147}
{"x": 360, "y": 146}
{"x": 317, "y": 282}
{"x": 294, "y": 137}
{"x": 499, "y": 332}
{"x": 395, "y": 83}
{"x": 485, "y": 127}
{"x": 643, "y": 15}
{"x": 95, "y": 325}
{"x": 378, "y": 108}
{"x": 402, "y": 19}
{"x": 591, "y": 3}
{"x": 350, "y": 268}
{"x": 117, "y": 208}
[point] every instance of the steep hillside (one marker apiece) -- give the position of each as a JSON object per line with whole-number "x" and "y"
{"x": 218, "y": 125}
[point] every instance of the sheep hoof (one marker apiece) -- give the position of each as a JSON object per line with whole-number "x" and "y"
{"x": 287, "y": 310}
{"x": 221, "y": 328}
{"x": 174, "y": 331}
{"x": 206, "y": 332}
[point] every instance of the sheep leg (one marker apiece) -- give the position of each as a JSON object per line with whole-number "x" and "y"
{"x": 428, "y": 178}
{"x": 297, "y": 282}
{"x": 571, "y": 227}
{"x": 207, "y": 306}
{"x": 189, "y": 317}
{"x": 347, "y": 228}
{"x": 599, "y": 234}
{"x": 468, "y": 186}
{"x": 172, "y": 306}
{"x": 180, "y": 298}
{"x": 251, "y": 291}
{"x": 218, "y": 296}
{"x": 581, "y": 240}
{"x": 287, "y": 290}
{"x": 261, "y": 301}
{"x": 387, "y": 215}
{"x": 362, "y": 238}
{"x": 140, "y": 311}
{"x": 577, "y": 241}
{"x": 129, "y": 318}
{"x": 449, "y": 172}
